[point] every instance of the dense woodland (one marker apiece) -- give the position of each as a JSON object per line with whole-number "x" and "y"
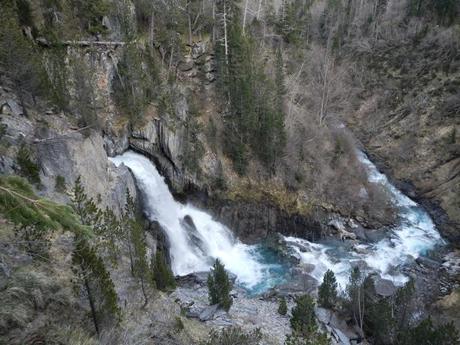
{"x": 288, "y": 76}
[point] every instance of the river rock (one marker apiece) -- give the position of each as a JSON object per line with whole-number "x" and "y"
{"x": 10, "y": 106}
{"x": 427, "y": 262}
{"x": 208, "y": 312}
{"x": 384, "y": 287}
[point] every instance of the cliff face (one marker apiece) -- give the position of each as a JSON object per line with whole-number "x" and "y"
{"x": 408, "y": 120}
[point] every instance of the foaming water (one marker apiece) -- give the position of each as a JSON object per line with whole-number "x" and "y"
{"x": 196, "y": 240}
{"x": 415, "y": 235}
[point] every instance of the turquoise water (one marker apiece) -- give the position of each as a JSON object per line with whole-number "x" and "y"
{"x": 274, "y": 268}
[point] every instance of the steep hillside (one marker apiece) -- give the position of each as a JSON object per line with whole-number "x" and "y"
{"x": 254, "y": 110}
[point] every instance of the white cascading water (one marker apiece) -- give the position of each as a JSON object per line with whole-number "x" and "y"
{"x": 414, "y": 236}
{"x": 193, "y": 249}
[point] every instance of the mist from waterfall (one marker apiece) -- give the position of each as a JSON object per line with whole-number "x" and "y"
{"x": 195, "y": 244}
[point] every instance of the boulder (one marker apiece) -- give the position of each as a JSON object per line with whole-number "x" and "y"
{"x": 384, "y": 287}
{"x": 427, "y": 262}
{"x": 11, "y": 107}
{"x": 208, "y": 312}
{"x": 185, "y": 66}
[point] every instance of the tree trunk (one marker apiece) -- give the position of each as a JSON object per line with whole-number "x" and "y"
{"x": 189, "y": 20}
{"x": 146, "y": 301}
{"x": 152, "y": 29}
{"x": 245, "y": 15}
{"x": 225, "y": 33}
{"x": 92, "y": 305}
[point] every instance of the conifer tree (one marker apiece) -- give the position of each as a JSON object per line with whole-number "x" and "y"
{"x": 96, "y": 283}
{"x": 141, "y": 267}
{"x": 282, "y": 307}
{"x": 162, "y": 275}
{"x": 84, "y": 206}
{"x": 327, "y": 293}
{"x": 128, "y": 216}
{"x": 303, "y": 316}
{"x": 219, "y": 286}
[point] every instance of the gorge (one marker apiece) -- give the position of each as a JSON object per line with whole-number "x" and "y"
{"x": 195, "y": 243}
{"x": 214, "y": 172}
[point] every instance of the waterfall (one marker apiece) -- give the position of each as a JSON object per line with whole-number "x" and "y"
{"x": 196, "y": 240}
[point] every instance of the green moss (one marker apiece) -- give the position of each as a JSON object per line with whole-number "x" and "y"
{"x": 273, "y": 194}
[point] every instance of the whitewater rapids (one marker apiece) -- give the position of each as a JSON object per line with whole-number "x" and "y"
{"x": 194, "y": 247}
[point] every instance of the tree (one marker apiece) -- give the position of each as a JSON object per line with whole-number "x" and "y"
{"x": 141, "y": 267}
{"x": 219, "y": 286}
{"x": 327, "y": 293}
{"x": 96, "y": 283}
{"x": 425, "y": 333}
{"x": 28, "y": 168}
{"x": 162, "y": 275}
{"x": 282, "y": 307}
{"x": 303, "y": 319}
{"x": 20, "y": 60}
{"x": 84, "y": 206}
{"x": 356, "y": 297}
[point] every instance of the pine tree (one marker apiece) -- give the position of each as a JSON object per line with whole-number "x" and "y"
{"x": 141, "y": 267}
{"x": 327, "y": 293}
{"x": 84, "y": 206}
{"x": 219, "y": 286}
{"x": 28, "y": 168}
{"x": 162, "y": 275}
{"x": 126, "y": 235}
{"x": 96, "y": 282}
{"x": 282, "y": 307}
{"x": 303, "y": 316}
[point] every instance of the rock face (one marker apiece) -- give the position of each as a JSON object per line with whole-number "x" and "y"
{"x": 76, "y": 155}
{"x": 252, "y": 222}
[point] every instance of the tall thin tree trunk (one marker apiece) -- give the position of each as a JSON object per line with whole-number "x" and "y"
{"x": 92, "y": 305}
{"x": 152, "y": 29}
{"x": 245, "y": 15}
{"x": 146, "y": 301}
{"x": 189, "y": 19}
{"x": 225, "y": 33}
{"x": 258, "y": 9}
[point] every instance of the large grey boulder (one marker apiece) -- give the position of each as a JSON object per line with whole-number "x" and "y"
{"x": 384, "y": 287}
{"x": 208, "y": 312}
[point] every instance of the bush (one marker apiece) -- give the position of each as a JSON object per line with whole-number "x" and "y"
{"x": 219, "y": 286}
{"x": 59, "y": 184}
{"x": 233, "y": 336}
{"x": 282, "y": 307}
{"x": 327, "y": 293}
{"x": 27, "y": 167}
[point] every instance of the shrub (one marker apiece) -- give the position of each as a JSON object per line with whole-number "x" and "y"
{"x": 282, "y": 307}
{"x": 27, "y": 167}
{"x": 59, "y": 184}
{"x": 219, "y": 286}
{"x": 233, "y": 336}
{"x": 327, "y": 293}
